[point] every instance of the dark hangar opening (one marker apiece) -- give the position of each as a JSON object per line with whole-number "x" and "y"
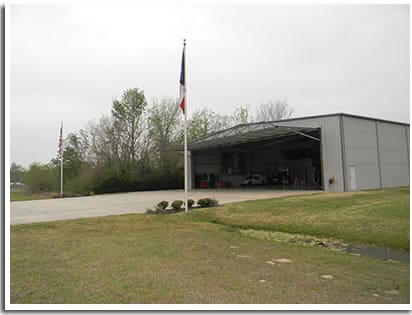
{"x": 282, "y": 158}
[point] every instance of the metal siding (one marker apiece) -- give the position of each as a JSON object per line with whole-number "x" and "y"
{"x": 331, "y": 147}
{"x": 394, "y": 155}
{"x": 408, "y": 145}
{"x": 362, "y": 151}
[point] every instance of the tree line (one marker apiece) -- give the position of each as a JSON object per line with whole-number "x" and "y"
{"x": 132, "y": 148}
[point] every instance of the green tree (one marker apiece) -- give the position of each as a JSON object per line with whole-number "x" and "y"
{"x": 205, "y": 121}
{"x": 16, "y": 173}
{"x": 40, "y": 178}
{"x": 165, "y": 126}
{"x": 165, "y": 122}
{"x": 127, "y": 113}
{"x": 74, "y": 155}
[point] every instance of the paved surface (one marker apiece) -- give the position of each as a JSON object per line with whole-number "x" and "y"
{"x": 135, "y": 202}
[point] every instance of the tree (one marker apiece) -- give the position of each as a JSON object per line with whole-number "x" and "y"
{"x": 73, "y": 156}
{"x": 16, "y": 173}
{"x": 80, "y": 143}
{"x": 164, "y": 122}
{"x": 42, "y": 178}
{"x": 205, "y": 121}
{"x": 164, "y": 130}
{"x": 271, "y": 111}
{"x": 241, "y": 115}
{"x": 127, "y": 113}
{"x": 103, "y": 141}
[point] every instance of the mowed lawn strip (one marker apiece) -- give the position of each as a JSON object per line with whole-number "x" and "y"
{"x": 377, "y": 217}
{"x": 23, "y": 196}
{"x": 173, "y": 259}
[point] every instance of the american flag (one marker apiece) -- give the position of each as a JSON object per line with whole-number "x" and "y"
{"x": 61, "y": 140}
{"x": 182, "y": 82}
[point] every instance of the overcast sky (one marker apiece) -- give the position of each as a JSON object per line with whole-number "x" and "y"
{"x": 69, "y": 61}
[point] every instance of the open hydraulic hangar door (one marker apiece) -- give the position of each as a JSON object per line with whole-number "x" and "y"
{"x": 285, "y": 161}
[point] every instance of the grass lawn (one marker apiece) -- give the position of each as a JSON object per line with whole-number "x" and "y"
{"x": 378, "y": 217}
{"x": 22, "y": 196}
{"x": 183, "y": 258}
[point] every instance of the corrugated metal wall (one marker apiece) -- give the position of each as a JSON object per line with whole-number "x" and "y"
{"x": 377, "y": 152}
{"x": 331, "y": 154}
{"x": 394, "y": 156}
{"x": 361, "y": 149}
{"x": 408, "y": 144}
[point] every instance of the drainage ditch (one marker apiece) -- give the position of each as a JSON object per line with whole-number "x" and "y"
{"x": 388, "y": 254}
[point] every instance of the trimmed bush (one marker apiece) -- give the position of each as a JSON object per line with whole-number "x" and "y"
{"x": 202, "y": 202}
{"x": 162, "y": 204}
{"x": 207, "y": 202}
{"x": 177, "y": 204}
{"x": 213, "y": 202}
{"x": 190, "y": 203}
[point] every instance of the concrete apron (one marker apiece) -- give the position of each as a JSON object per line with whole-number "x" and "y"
{"x": 22, "y": 212}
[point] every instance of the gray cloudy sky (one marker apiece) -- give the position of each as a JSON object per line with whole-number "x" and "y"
{"x": 69, "y": 61}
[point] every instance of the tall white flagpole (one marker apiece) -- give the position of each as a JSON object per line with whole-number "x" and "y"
{"x": 61, "y": 160}
{"x": 185, "y": 151}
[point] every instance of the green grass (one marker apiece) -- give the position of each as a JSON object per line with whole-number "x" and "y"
{"x": 172, "y": 259}
{"x": 188, "y": 259}
{"x": 23, "y": 196}
{"x": 378, "y": 217}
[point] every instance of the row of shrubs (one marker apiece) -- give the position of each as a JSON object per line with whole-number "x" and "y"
{"x": 161, "y": 207}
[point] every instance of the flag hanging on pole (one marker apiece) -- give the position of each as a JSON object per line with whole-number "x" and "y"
{"x": 61, "y": 140}
{"x": 61, "y": 158}
{"x": 183, "y": 106}
{"x": 182, "y": 82}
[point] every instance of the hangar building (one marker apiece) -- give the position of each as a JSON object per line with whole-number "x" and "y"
{"x": 335, "y": 152}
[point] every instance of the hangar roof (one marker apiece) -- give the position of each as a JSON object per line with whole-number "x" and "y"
{"x": 248, "y": 133}
{"x": 254, "y": 132}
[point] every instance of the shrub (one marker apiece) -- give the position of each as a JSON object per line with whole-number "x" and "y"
{"x": 213, "y": 202}
{"x": 190, "y": 203}
{"x": 42, "y": 178}
{"x": 162, "y": 204}
{"x": 207, "y": 202}
{"x": 159, "y": 210}
{"x": 83, "y": 184}
{"x": 177, "y": 204}
{"x": 150, "y": 211}
{"x": 202, "y": 202}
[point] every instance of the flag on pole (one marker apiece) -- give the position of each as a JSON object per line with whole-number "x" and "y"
{"x": 61, "y": 140}
{"x": 61, "y": 158}
{"x": 183, "y": 106}
{"x": 182, "y": 83}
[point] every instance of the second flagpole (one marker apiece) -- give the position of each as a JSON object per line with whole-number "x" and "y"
{"x": 61, "y": 160}
{"x": 185, "y": 150}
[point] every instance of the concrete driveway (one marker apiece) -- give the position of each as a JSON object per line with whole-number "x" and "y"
{"x": 22, "y": 212}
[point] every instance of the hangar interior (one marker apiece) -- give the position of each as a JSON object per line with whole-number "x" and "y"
{"x": 256, "y": 155}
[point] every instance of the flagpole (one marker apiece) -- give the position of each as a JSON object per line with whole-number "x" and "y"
{"x": 61, "y": 160}
{"x": 185, "y": 151}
